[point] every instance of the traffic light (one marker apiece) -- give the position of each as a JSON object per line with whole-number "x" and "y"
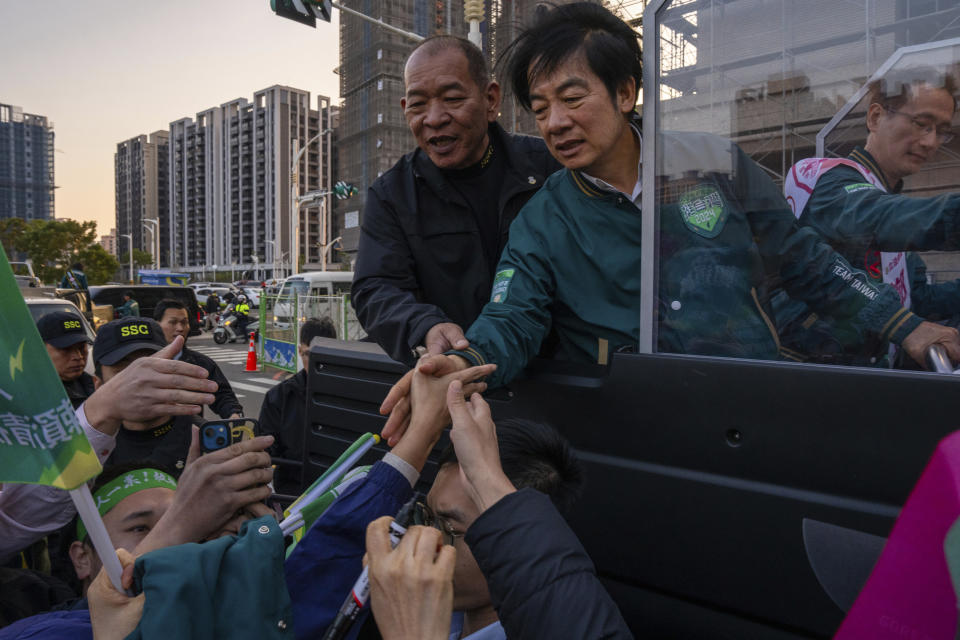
{"x": 343, "y": 190}
{"x": 303, "y": 11}
{"x": 321, "y": 8}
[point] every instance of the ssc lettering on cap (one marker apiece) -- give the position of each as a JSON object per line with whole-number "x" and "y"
{"x": 134, "y": 330}
{"x": 71, "y": 324}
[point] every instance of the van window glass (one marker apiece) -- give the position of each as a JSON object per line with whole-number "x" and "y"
{"x": 729, "y": 119}
{"x": 300, "y": 287}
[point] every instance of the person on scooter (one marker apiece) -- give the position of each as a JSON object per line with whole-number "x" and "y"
{"x": 241, "y": 310}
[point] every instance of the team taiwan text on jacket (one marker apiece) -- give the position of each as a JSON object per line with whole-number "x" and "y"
{"x": 727, "y": 239}
{"x": 421, "y": 260}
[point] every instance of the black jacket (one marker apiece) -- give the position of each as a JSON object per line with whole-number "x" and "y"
{"x": 542, "y": 582}
{"x": 421, "y": 261}
{"x": 283, "y": 415}
{"x": 80, "y": 389}
{"x": 166, "y": 445}
{"x": 225, "y": 401}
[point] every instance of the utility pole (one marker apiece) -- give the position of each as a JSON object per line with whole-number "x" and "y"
{"x": 154, "y": 239}
{"x": 129, "y": 238}
{"x": 296, "y": 200}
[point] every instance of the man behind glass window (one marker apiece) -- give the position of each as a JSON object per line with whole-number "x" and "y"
{"x": 855, "y": 204}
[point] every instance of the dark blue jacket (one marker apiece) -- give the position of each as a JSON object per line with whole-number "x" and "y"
{"x": 326, "y": 562}
{"x": 542, "y": 582}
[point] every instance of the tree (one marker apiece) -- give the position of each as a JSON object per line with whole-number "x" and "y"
{"x": 54, "y": 245}
{"x": 10, "y": 231}
{"x": 140, "y": 258}
{"x": 99, "y": 265}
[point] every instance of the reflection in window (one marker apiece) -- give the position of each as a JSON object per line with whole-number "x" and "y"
{"x": 767, "y": 76}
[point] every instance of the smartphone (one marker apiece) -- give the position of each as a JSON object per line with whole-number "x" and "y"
{"x": 218, "y": 434}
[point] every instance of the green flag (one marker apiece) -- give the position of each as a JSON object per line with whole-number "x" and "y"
{"x": 41, "y": 441}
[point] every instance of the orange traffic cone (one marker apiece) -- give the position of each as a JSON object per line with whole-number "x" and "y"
{"x": 251, "y": 355}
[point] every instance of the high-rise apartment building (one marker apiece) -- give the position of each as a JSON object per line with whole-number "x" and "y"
{"x": 109, "y": 242}
{"x": 141, "y": 183}
{"x": 230, "y": 189}
{"x": 26, "y": 165}
{"x": 374, "y": 133}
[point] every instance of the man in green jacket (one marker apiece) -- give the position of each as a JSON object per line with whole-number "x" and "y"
{"x": 726, "y": 235}
{"x": 130, "y": 307}
{"x": 856, "y": 205}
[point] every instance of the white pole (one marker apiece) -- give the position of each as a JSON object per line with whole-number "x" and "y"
{"x": 294, "y": 227}
{"x": 98, "y": 534}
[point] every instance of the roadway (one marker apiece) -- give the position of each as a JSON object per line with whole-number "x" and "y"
{"x": 232, "y": 359}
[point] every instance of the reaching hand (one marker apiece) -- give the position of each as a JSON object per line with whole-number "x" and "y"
{"x": 927, "y": 334}
{"x": 411, "y": 587}
{"x": 150, "y": 388}
{"x": 429, "y": 417}
{"x": 443, "y": 337}
{"x": 397, "y": 402}
{"x": 114, "y": 615}
{"x": 212, "y": 489}
{"x": 474, "y": 438}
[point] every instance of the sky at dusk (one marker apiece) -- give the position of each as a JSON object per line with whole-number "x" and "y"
{"x": 105, "y": 71}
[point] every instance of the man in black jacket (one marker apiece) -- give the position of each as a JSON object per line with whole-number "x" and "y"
{"x": 163, "y": 440}
{"x": 435, "y": 224}
{"x": 173, "y": 319}
{"x": 283, "y": 412}
{"x": 67, "y": 342}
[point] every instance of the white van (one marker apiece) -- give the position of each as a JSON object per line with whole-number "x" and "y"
{"x": 318, "y": 294}
{"x": 317, "y": 283}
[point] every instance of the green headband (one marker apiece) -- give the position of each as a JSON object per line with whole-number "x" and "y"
{"x": 109, "y": 495}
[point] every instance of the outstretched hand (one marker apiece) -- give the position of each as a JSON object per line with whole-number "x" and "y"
{"x": 474, "y": 438}
{"x": 397, "y": 403}
{"x": 429, "y": 417}
{"x": 114, "y": 615}
{"x": 443, "y": 337}
{"x": 411, "y": 587}
{"x": 150, "y": 388}
{"x": 927, "y": 334}
{"x": 211, "y": 490}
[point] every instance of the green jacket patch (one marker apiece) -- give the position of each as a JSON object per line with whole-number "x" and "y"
{"x": 859, "y": 186}
{"x": 501, "y": 285}
{"x": 703, "y": 210}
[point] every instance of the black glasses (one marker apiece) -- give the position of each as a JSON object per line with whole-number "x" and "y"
{"x": 923, "y": 126}
{"x": 424, "y": 515}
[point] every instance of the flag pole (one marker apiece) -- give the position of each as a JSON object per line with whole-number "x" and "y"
{"x": 98, "y": 535}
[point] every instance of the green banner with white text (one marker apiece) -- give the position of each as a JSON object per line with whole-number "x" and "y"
{"x": 41, "y": 441}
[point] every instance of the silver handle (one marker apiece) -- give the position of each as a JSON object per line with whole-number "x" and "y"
{"x": 937, "y": 359}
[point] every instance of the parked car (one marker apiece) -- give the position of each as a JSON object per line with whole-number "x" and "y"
{"x": 23, "y": 272}
{"x": 204, "y": 292}
{"x": 147, "y": 296}
{"x": 253, "y": 294}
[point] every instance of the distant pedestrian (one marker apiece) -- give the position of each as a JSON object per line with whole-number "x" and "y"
{"x": 74, "y": 278}
{"x": 130, "y": 307}
{"x": 212, "y": 307}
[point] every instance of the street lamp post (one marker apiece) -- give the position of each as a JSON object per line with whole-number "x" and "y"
{"x": 273, "y": 255}
{"x": 296, "y": 200}
{"x": 154, "y": 230}
{"x": 256, "y": 264}
{"x": 129, "y": 238}
{"x": 324, "y": 249}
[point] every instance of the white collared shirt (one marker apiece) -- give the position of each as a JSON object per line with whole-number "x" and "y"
{"x": 637, "y": 188}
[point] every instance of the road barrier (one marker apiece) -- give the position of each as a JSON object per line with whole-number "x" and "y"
{"x": 280, "y": 320}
